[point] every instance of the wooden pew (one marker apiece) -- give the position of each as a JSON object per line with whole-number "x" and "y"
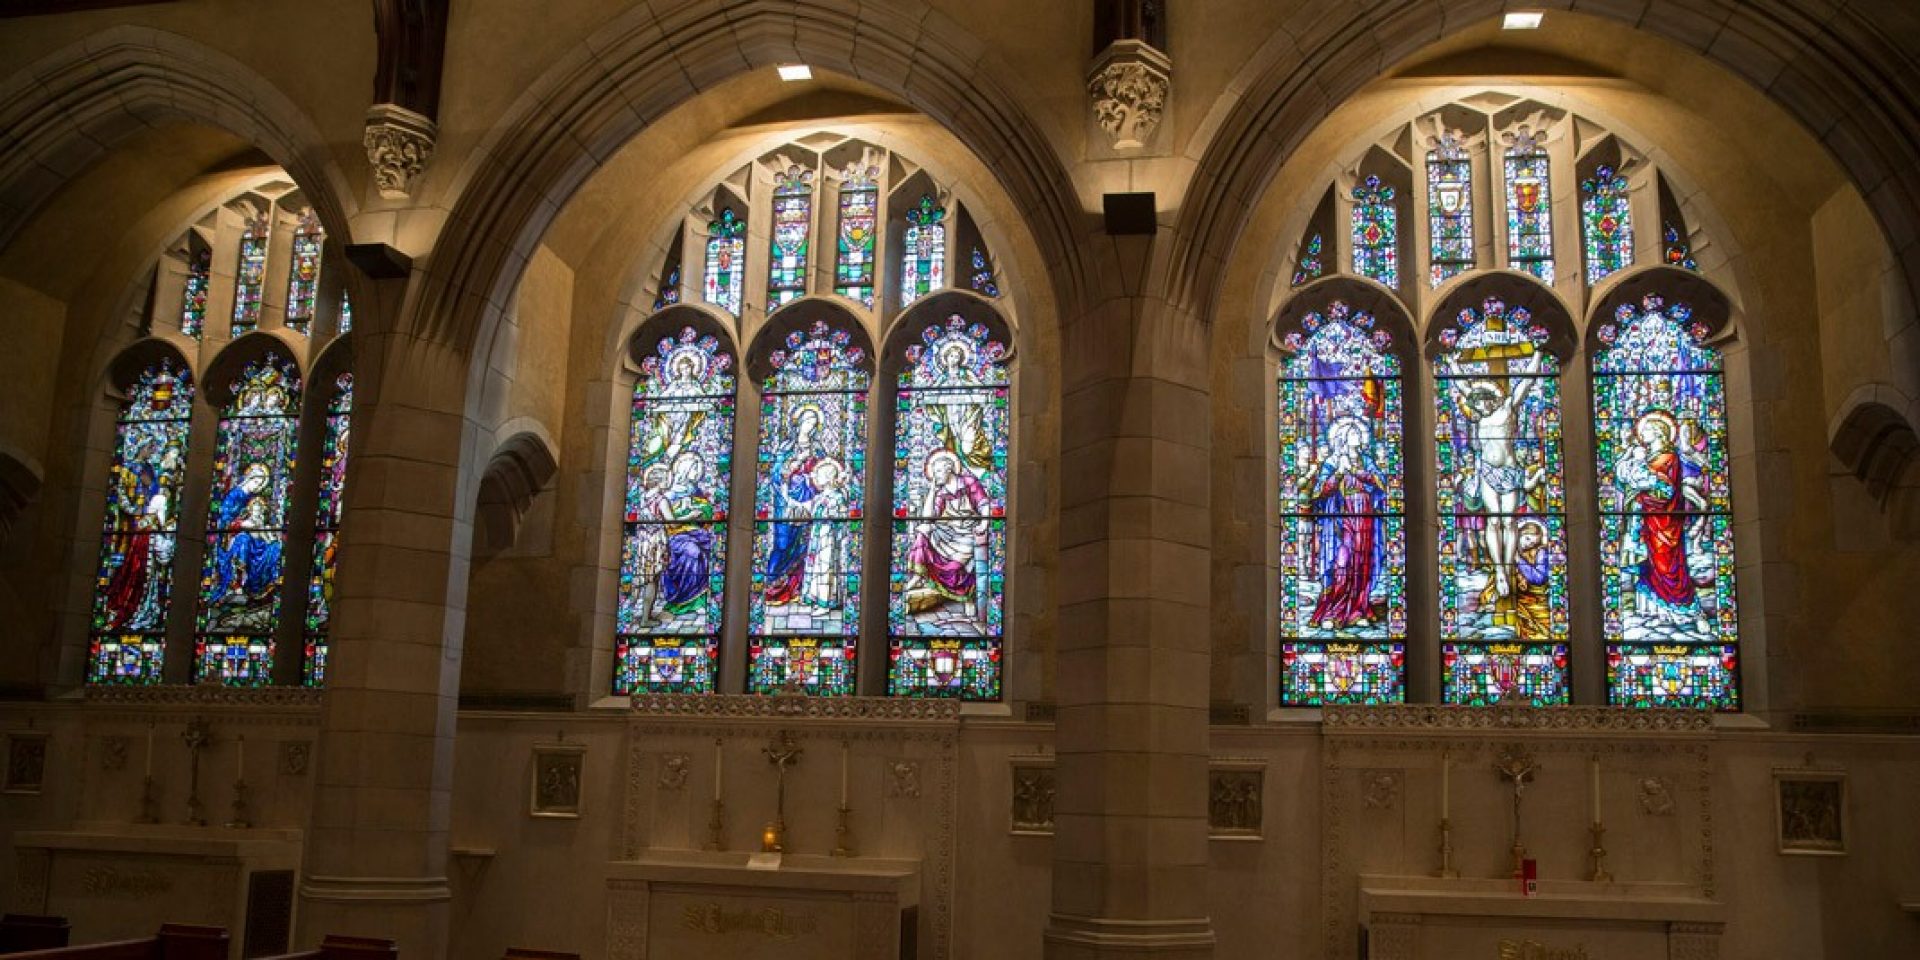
{"x": 527, "y": 953}
{"x": 336, "y": 947}
{"x": 175, "y": 941}
{"x": 20, "y": 932}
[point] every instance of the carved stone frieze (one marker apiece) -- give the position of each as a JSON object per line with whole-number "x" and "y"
{"x": 1440, "y": 718}
{"x": 753, "y": 707}
{"x": 204, "y": 695}
{"x": 399, "y": 143}
{"x": 1128, "y": 87}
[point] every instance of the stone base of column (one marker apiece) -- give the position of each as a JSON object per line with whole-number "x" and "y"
{"x": 410, "y": 911}
{"x": 1093, "y": 938}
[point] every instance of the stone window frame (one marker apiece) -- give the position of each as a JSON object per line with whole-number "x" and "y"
{"x": 212, "y": 359}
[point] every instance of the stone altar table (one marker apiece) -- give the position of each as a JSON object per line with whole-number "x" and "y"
{"x": 695, "y": 904}
{"x": 117, "y": 881}
{"x": 1412, "y": 918}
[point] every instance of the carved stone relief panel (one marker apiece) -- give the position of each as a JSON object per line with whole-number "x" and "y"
{"x": 1236, "y": 798}
{"x": 1380, "y": 789}
{"x": 557, "y": 771}
{"x": 294, "y": 755}
{"x": 673, "y": 771}
{"x": 113, "y": 753}
{"x": 903, "y": 779}
{"x": 26, "y": 762}
{"x": 1032, "y": 797}
{"x": 1810, "y": 811}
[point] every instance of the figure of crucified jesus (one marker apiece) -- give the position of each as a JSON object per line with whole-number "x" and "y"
{"x": 1498, "y": 480}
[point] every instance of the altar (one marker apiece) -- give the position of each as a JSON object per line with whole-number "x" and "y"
{"x": 698, "y": 903}
{"x": 1417, "y": 918}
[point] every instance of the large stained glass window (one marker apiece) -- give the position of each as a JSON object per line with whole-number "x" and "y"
{"x": 1449, "y": 210}
{"x": 326, "y": 527}
{"x": 947, "y": 587}
{"x": 250, "y": 274}
{"x": 303, "y": 275}
{"x": 133, "y": 591}
{"x": 726, "y": 261}
{"x": 1343, "y": 554}
{"x": 1502, "y": 510}
{"x": 246, "y": 525}
{"x": 859, "y": 210}
{"x": 1376, "y": 232}
{"x": 1529, "y": 207}
{"x": 1311, "y": 266}
{"x": 923, "y": 260}
{"x": 792, "y": 226}
{"x": 193, "y": 293}
{"x": 1606, "y": 223}
{"x": 1666, "y": 524}
{"x": 673, "y": 559}
{"x": 804, "y": 612}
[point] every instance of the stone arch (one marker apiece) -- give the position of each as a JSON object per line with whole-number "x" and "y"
{"x": 642, "y": 65}
{"x": 1515, "y": 289}
{"x": 76, "y": 104}
{"x": 1710, "y": 304}
{"x": 1876, "y": 437}
{"x": 520, "y": 467}
{"x": 1812, "y": 62}
{"x": 20, "y": 478}
{"x": 216, "y": 380}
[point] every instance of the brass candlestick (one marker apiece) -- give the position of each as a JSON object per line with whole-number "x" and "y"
{"x": 149, "y": 802}
{"x": 843, "y": 834}
{"x": 1446, "y": 870}
{"x": 1598, "y": 855}
{"x": 239, "y": 819}
{"x": 717, "y": 826}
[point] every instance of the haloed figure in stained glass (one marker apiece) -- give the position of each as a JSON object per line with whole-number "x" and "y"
{"x": 1497, "y": 481}
{"x": 145, "y": 482}
{"x": 804, "y": 564}
{"x": 1665, "y": 488}
{"x": 1349, "y": 499}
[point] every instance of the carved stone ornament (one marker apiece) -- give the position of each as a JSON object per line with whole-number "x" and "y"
{"x": 1129, "y": 91}
{"x": 26, "y": 762}
{"x": 1811, "y": 811}
{"x": 1656, "y": 797}
{"x": 1381, "y": 788}
{"x": 673, "y": 770}
{"x": 1034, "y": 788}
{"x": 113, "y": 752}
{"x": 557, "y": 770}
{"x": 903, "y": 779}
{"x": 294, "y": 756}
{"x": 399, "y": 142}
{"x": 1234, "y": 802}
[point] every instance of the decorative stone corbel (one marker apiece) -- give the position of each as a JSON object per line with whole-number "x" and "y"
{"x": 1129, "y": 89}
{"x": 399, "y": 142}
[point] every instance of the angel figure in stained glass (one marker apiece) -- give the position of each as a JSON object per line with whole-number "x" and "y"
{"x": 1348, "y": 548}
{"x": 143, "y": 491}
{"x": 1665, "y": 487}
{"x": 960, "y": 418}
{"x": 1499, "y": 481}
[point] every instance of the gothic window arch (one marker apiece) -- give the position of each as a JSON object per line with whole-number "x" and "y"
{"x": 1502, "y": 184}
{"x": 846, "y": 575}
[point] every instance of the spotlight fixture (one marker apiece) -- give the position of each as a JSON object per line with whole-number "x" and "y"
{"x": 1522, "y": 20}
{"x": 800, "y": 71}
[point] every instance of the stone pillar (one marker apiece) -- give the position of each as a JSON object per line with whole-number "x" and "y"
{"x": 376, "y": 847}
{"x": 1130, "y": 819}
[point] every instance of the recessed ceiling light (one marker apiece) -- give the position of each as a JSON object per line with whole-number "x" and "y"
{"x": 800, "y": 71}
{"x": 1526, "y": 20}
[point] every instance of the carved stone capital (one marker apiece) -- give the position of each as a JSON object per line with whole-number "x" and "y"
{"x": 399, "y": 142}
{"x": 1129, "y": 86}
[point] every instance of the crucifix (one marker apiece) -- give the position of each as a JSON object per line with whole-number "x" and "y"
{"x": 782, "y": 752}
{"x": 1499, "y": 482}
{"x": 1515, "y": 767}
{"x": 198, "y": 736}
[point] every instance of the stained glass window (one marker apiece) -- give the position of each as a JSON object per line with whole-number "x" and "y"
{"x": 923, "y": 262}
{"x": 1607, "y": 224}
{"x": 1343, "y": 561}
{"x": 1502, "y": 510}
{"x": 1311, "y": 265}
{"x": 792, "y": 225}
{"x": 804, "y": 612}
{"x": 326, "y": 527}
{"x": 346, "y": 313}
{"x": 983, "y": 282}
{"x": 133, "y": 589}
{"x": 1678, "y": 252}
{"x": 948, "y": 579}
{"x": 726, "y": 261}
{"x": 303, "y": 275}
{"x": 1666, "y": 518}
{"x": 1449, "y": 210}
{"x": 193, "y": 294}
{"x": 859, "y": 208}
{"x": 673, "y": 561}
{"x": 246, "y": 525}
{"x": 250, "y": 274}
{"x": 669, "y": 289}
{"x": 1376, "y": 232}
{"x": 1529, "y": 208}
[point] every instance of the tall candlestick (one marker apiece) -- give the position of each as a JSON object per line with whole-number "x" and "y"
{"x": 716, "y": 768}
{"x": 149, "y": 748}
{"x": 1446, "y": 784}
{"x": 1594, "y": 768}
{"x": 843, "y": 772}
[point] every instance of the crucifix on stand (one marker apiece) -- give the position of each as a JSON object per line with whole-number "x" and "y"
{"x": 198, "y": 736}
{"x": 1515, "y": 767}
{"x": 782, "y": 752}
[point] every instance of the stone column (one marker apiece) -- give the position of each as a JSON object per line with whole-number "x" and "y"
{"x": 1130, "y": 841}
{"x": 376, "y": 847}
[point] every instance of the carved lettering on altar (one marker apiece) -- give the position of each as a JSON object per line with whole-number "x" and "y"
{"x": 1535, "y": 950}
{"x": 770, "y": 922}
{"x": 109, "y": 882}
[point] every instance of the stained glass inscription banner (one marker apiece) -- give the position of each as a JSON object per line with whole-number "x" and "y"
{"x": 948, "y": 577}
{"x": 134, "y": 588}
{"x": 1502, "y": 509}
{"x": 673, "y": 556}
{"x": 240, "y": 581}
{"x": 1669, "y": 614}
{"x": 1343, "y": 562}
{"x": 808, "y": 513}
